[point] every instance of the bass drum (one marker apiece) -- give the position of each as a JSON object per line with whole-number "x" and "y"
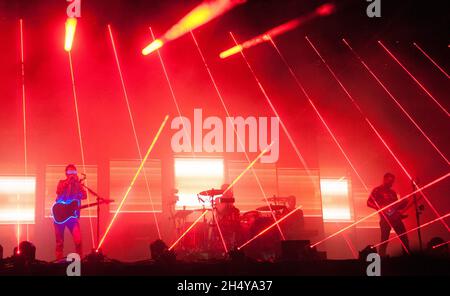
{"x": 266, "y": 246}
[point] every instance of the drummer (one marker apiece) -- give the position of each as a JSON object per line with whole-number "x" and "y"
{"x": 225, "y": 207}
{"x": 294, "y": 224}
{"x": 228, "y": 216}
{"x": 291, "y": 202}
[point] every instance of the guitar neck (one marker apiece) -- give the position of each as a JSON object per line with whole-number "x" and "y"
{"x": 90, "y": 205}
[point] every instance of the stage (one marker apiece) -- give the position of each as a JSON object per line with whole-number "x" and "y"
{"x": 416, "y": 265}
{"x": 224, "y": 137}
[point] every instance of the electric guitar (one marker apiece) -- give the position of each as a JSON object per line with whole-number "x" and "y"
{"x": 398, "y": 211}
{"x": 63, "y": 211}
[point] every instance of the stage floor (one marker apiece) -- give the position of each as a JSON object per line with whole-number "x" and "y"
{"x": 410, "y": 266}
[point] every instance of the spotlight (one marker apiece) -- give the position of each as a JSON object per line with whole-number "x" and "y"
{"x": 96, "y": 256}
{"x": 26, "y": 251}
{"x": 157, "y": 249}
{"x": 437, "y": 247}
{"x": 71, "y": 24}
{"x": 156, "y": 44}
{"x": 236, "y": 255}
{"x": 160, "y": 252}
{"x": 366, "y": 251}
{"x": 200, "y": 15}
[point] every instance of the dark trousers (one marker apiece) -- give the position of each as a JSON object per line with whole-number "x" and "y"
{"x": 74, "y": 228}
{"x": 385, "y": 228}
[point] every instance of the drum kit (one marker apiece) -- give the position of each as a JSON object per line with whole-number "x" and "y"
{"x": 226, "y": 224}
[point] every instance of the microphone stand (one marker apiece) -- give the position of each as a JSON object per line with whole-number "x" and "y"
{"x": 419, "y": 209}
{"x": 99, "y": 199}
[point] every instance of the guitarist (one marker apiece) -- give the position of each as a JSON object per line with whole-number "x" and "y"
{"x": 380, "y": 197}
{"x": 69, "y": 189}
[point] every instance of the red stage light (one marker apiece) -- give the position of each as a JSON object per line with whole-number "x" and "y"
{"x": 71, "y": 25}
{"x": 322, "y": 10}
{"x": 200, "y": 15}
{"x": 156, "y": 44}
{"x": 326, "y": 9}
{"x": 133, "y": 181}
{"x": 396, "y": 102}
{"x": 431, "y": 60}
{"x": 384, "y": 208}
{"x": 413, "y": 78}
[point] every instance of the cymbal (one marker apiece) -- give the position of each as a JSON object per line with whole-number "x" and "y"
{"x": 211, "y": 192}
{"x": 274, "y": 208}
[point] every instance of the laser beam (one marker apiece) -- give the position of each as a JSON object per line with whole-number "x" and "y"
{"x": 413, "y": 229}
{"x": 174, "y": 98}
{"x": 383, "y": 208}
{"x": 24, "y": 118}
{"x": 350, "y": 246}
{"x": 158, "y": 133}
{"x": 22, "y": 66}
{"x": 413, "y": 78}
{"x": 408, "y": 175}
{"x": 200, "y": 15}
{"x": 235, "y": 131}
{"x": 412, "y": 120}
{"x": 80, "y": 138}
{"x": 305, "y": 93}
{"x": 266, "y": 96}
{"x": 353, "y": 101}
{"x": 224, "y": 244}
{"x": 187, "y": 230}
{"x": 130, "y": 114}
{"x": 441, "y": 244}
{"x": 331, "y": 133}
{"x": 71, "y": 25}
{"x": 250, "y": 165}
{"x": 323, "y": 10}
{"x": 396, "y": 102}
{"x": 431, "y": 59}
